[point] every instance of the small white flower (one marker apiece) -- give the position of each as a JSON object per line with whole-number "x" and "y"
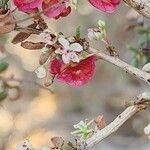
{"x": 41, "y": 72}
{"x": 26, "y": 145}
{"x": 81, "y": 123}
{"x": 147, "y": 129}
{"x": 69, "y": 51}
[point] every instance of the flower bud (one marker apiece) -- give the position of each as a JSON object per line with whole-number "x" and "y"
{"x": 40, "y": 72}
{"x": 95, "y": 34}
{"x": 146, "y": 95}
{"x": 101, "y": 25}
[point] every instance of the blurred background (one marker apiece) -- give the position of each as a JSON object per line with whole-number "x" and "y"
{"x": 39, "y": 115}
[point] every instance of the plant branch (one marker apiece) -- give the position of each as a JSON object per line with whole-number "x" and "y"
{"x": 116, "y": 124}
{"x": 123, "y": 65}
{"x": 141, "y": 6}
{"x": 130, "y": 111}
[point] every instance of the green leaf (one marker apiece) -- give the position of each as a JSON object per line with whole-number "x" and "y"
{"x": 101, "y": 24}
{"x": 144, "y": 60}
{"x": 3, "y": 66}
{"x": 60, "y": 33}
{"x": 134, "y": 62}
{"x": 143, "y": 39}
{"x": 132, "y": 48}
{"x": 78, "y": 31}
{"x": 3, "y": 95}
{"x": 141, "y": 30}
{"x": 70, "y": 144}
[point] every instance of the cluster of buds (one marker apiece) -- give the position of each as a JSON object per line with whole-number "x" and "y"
{"x": 98, "y": 33}
{"x": 84, "y": 130}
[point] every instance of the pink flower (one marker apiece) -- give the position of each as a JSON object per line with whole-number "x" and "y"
{"x": 27, "y": 5}
{"x": 56, "y": 8}
{"x": 75, "y": 74}
{"x": 108, "y": 6}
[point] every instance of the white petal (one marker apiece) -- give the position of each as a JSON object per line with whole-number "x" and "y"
{"x": 81, "y": 123}
{"x": 147, "y": 129}
{"x": 66, "y": 58}
{"x": 63, "y": 42}
{"x": 40, "y": 72}
{"x": 74, "y": 57}
{"x": 76, "y": 47}
{"x": 59, "y": 51}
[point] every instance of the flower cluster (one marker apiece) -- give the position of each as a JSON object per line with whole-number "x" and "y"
{"x": 52, "y": 8}
{"x": 68, "y": 59}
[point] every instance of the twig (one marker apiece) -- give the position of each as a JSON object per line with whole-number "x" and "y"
{"x": 116, "y": 124}
{"x": 142, "y": 6}
{"x": 123, "y": 65}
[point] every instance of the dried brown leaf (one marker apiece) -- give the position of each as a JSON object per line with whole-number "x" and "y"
{"x": 38, "y": 19}
{"x": 32, "y": 46}
{"x": 49, "y": 79}
{"x": 20, "y": 37}
{"x": 58, "y": 142}
{"x": 100, "y": 122}
{"x": 6, "y": 21}
{"x": 43, "y": 58}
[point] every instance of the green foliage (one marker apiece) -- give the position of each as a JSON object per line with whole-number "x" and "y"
{"x": 78, "y": 31}
{"x": 132, "y": 48}
{"x": 3, "y": 95}
{"x": 3, "y": 66}
{"x": 4, "y": 4}
{"x": 83, "y": 129}
{"x": 141, "y": 30}
{"x": 139, "y": 57}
